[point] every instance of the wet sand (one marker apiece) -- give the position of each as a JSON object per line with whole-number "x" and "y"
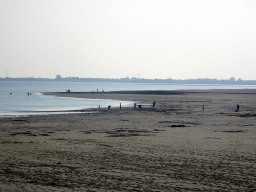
{"x": 175, "y": 146}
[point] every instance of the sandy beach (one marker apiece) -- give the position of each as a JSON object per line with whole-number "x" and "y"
{"x": 190, "y": 141}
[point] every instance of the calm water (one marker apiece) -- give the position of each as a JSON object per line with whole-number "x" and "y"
{"x": 19, "y": 101}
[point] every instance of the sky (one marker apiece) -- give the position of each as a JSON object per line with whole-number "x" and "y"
{"x": 184, "y": 39}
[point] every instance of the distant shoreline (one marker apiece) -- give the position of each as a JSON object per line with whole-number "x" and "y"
{"x": 149, "y": 96}
{"x": 205, "y": 81}
{"x": 158, "y": 92}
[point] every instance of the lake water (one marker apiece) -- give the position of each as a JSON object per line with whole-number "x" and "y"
{"x": 19, "y": 102}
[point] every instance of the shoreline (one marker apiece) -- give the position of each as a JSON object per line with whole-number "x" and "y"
{"x": 40, "y": 113}
{"x": 132, "y": 95}
{"x": 162, "y": 92}
{"x": 118, "y": 96}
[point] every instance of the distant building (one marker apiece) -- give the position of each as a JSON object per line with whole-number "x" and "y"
{"x": 58, "y": 77}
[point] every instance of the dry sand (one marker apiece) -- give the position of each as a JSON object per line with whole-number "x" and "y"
{"x": 175, "y": 146}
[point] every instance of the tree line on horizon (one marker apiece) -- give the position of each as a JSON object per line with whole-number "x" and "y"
{"x": 58, "y": 78}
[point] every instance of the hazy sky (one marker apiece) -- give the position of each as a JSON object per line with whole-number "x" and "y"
{"x": 178, "y": 39}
